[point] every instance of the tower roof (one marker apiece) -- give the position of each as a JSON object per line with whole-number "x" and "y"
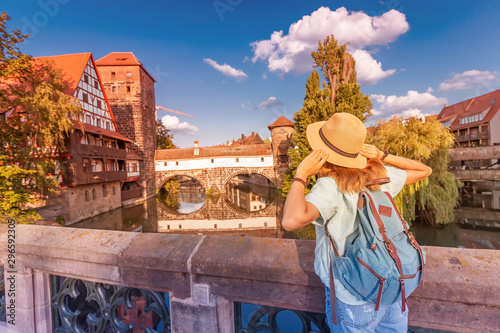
{"x": 121, "y": 59}
{"x": 281, "y": 122}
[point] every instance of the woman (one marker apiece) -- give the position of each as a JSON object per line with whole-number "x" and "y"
{"x": 345, "y": 164}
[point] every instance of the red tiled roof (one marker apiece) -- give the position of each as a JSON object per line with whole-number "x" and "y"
{"x": 98, "y": 130}
{"x": 72, "y": 67}
{"x": 207, "y": 152}
{"x": 489, "y": 102}
{"x": 121, "y": 59}
{"x": 280, "y": 122}
{"x": 250, "y": 140}
{"x": 132, "y": 155}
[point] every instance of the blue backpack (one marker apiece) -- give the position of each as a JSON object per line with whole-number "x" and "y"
{"x": 383, "y": 261}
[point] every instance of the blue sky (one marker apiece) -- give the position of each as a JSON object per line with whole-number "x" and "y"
{"x": 237, "y": 65}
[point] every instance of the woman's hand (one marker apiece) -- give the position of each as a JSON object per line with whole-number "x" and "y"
{"x": 370, "y": 151}
{"x": 311, "y": 164}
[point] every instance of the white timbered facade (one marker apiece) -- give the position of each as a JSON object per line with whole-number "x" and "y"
{"x": 96, "y": 110}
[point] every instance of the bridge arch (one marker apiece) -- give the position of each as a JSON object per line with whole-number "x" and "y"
{"x": 269, "y": 174}
{"x": 164, "y": 176}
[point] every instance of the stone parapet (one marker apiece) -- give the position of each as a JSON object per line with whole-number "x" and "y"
{"x": 206, "y": 274}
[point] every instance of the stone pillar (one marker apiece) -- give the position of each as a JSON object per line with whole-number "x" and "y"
{"x": 201, "y": 313}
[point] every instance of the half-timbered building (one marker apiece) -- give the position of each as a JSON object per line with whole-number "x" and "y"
{"x": 96, "y": 152}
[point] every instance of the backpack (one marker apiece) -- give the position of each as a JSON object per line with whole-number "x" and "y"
{"x": 383, "y": 261}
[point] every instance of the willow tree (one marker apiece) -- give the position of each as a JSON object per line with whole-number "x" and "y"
{"x": 339, "y": 93}
{"x": 431, "y": 200}
{"x": 37, "y": 117}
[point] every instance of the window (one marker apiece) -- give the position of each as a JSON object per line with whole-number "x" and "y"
{"x": 88, "y": 120}
{"x": 99, "y": 104}
{"x": 86, "y": 165}
{"x": 85, "y": 78}
{"x": 104, "y": 190}
{"x": 114, "y": 89}
{"x": 98, "y": 122}
{"x": 107, "y": 125}
{"x": 93, "y": 194}
{"x": 176, "y": 163}
{"x": 128, "y": 88}
{"x": 85, "y": 98}
{"x": 97, "y": 166}
{"x": 237, "y": 159}
{"x": 83, "y": 139}
{"x": 493, "y": 101}
{"x": 281, "y": 131}
{"x": 129, "y": 74}
{"x": 96, "y": 84}
{"x": 212, "y": 160}
{"x": 262, "y": 159}
{"x": 113, "y": 75}
{"x": 215, "y": 226}
{"x": 481, "y": 116}
{"x": 164, "y": 163}
{"x": 87, "y": 197}
{"x": 476, "y": 117}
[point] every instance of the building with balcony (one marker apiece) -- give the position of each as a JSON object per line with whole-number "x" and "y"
{"x": 95, "y": 153}
{"x": 475, "y": 121}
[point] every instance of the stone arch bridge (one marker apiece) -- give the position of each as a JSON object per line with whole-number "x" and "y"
{"x": 214, "y": 167}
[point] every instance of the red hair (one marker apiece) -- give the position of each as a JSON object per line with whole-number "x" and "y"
{"x": 351, "y": 180}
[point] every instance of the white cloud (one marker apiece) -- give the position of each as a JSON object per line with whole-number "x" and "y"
{"x": 412, "y": 100}
{"x": 291, "y": 52}
{"x": 468, "y": 80}
{"x": 368, "y": 69}
{"x": 271, "y": 102}
{"x": 410, "y": 105}
{"x": 173, "y": 124}
{"x": 227, "y": 70}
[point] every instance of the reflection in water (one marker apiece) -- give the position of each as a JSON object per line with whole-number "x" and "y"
{"x": 255, "y": 211}
{"x": 249, "y": 197}
{"x": 183, "y": 195}
{"x": 244, "y": 209}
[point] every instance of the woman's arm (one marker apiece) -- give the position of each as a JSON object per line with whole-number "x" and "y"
{"x": 415, "y": 171}
{"x": 297, "y": 211}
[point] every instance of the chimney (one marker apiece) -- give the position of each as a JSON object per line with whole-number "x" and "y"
{"x": 196, "y": 149}
{"x": 242, "y": 136}
{"x": 253, "y": 133}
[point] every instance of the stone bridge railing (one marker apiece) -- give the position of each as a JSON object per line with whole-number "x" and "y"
{"x": 204, "y": 275}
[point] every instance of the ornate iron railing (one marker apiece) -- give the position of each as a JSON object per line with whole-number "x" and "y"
{"x": 82, "y": 306}
{"x": 277, "y": 320}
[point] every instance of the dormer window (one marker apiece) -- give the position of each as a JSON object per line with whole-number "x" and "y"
{"x": 493, "y": 101}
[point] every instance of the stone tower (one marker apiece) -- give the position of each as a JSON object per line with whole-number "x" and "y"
{"x": 281, "y": 133}
{"x": 131, "y": 95}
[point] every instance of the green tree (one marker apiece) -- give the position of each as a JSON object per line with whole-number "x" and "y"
{"x": 163, "y": 139}
{"x": 37, "y": 118}
{"x": 340, "y": 93}
{"x": 432, "y": 199}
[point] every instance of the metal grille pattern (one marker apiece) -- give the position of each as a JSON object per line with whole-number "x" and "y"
{"x": 265, "y": 319}
{"x": 83, "y": 306}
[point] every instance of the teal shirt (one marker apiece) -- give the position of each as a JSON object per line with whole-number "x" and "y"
{"x": 340, "y": 210}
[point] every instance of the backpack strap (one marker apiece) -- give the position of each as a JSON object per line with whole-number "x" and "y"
{"x": 411, "y": 238}
{"x": 390, "y": 248}
{"x": 333, "y": 297}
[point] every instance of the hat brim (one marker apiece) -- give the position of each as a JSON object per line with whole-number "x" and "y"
{"x": 315, "y": 141}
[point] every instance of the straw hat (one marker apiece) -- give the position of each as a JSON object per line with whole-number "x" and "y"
{"x": 342, "y": 136}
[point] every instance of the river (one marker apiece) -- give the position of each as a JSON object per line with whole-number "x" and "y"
{"x": 253, "y": 210}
